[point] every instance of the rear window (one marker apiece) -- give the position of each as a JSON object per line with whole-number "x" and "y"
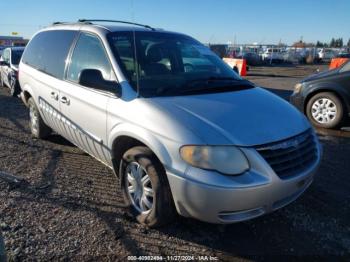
{"x": 48, "y": 50}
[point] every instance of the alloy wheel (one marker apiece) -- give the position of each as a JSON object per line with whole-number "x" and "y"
{"x": 324, "y": 110}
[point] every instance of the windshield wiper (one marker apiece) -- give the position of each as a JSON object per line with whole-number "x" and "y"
{"x": 237, "y": 84}
{"x": 212, "y": 79}
{"x": 219, "y": 84}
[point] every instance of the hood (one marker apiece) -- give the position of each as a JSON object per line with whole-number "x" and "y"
{"x": 321, "y": 75}
{"x": 243, "y": 118}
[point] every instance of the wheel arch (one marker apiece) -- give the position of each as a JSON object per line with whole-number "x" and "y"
{"x": 26, "y": 94}
{"x": 121, "y": 141}
{"x": 336, "y": 91}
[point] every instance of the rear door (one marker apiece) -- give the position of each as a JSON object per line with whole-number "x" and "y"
{"x": 84, "y": 109}
{"x": 46, "y": 57}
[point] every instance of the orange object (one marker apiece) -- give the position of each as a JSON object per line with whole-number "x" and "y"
{"x": 241, "y": 64}
{"x": 336, "y": 62}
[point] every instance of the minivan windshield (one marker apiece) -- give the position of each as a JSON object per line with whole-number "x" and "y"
{"x": 164, "y": 64}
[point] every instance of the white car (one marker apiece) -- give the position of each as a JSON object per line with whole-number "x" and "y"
{"x": 272, "y": 54}
{"x": 326, "y": 54}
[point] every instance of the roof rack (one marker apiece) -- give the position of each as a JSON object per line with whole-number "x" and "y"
{"x": 114, "y": 21}
{"x": 61, "y": 23}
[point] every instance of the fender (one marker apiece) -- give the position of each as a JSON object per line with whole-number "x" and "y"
{"x": 144, "y": 136}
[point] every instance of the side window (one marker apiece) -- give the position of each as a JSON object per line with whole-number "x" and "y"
{"x": 6, "y": 56}
{"x": 89, "y": 53}
{"x": 48, "y": 51}
{"x": 123, "y": 45}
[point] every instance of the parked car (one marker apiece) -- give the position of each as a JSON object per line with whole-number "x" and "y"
{"x": 343, "y": 55}
{"x": 9, "y": 69}
{"x": 325, "y": 97}
{"x": 292, "y": 56}
{"x": 326, "y": 54}
{"x": 204, "y": 143}
{"x": 252, "y": 58}
{"x": 272, "y": 55}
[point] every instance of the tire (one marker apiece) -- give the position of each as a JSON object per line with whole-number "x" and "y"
{"x": 1, "y": 81}
{"x": 333, "y": 110}
{"x": 143, "y": 160}
{"x": 37, "y": 126}
{"x": 14, "y": 88}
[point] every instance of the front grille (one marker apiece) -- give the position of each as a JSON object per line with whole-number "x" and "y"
{"x": 292, "y": 156}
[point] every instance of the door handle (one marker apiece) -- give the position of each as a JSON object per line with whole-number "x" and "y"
{"x": 54, "y": 95}
{"x": 65, "y": 100}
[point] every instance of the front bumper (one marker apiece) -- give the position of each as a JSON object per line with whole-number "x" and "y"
{"x": 297, "y": 100}
{"x": 228, "y": 199}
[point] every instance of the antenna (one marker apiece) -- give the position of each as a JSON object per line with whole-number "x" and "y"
{"x": 136, "y": 64}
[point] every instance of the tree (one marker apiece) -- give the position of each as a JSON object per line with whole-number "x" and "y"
{"x": 338, "y": 42}
{"x": 348, "y": 43}
{"x": 332, "y": 43}
{"x": 319, "y": 44}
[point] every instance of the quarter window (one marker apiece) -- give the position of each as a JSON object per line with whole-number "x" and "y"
{"x": 48, "y": 51}
{"x": 89, "y": 53}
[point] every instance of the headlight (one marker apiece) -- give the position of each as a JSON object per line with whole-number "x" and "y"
{"x": 298, "y": 87}
{"x": 228, "y": 160}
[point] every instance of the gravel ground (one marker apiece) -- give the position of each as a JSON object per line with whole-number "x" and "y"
{"x": 282, "y": 77}
{"x": 68, "y": 207}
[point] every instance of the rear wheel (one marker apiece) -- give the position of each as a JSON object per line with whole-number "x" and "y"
{"x": 325, "y": 110}
{"x": 145, "y": 187}
{"x": 37, "y": 126}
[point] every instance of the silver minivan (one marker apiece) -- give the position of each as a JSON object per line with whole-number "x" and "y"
{"x": 182, "y": 131}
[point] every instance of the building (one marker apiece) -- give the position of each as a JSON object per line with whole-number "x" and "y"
{"x": 13, "y": 41}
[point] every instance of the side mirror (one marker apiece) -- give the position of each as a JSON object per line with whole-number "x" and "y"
{"x": 93, "y": 78}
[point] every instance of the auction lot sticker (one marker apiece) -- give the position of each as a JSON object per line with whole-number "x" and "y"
{"x": 172, "y": 258}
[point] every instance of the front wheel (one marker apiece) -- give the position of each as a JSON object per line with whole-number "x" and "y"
{"x": 14, "y": 88}
{"x": 37, "y": 126}
{"x": 145, "y": 187}
{"x": 1, "y": 81}
{"x": 325, "y": 110}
